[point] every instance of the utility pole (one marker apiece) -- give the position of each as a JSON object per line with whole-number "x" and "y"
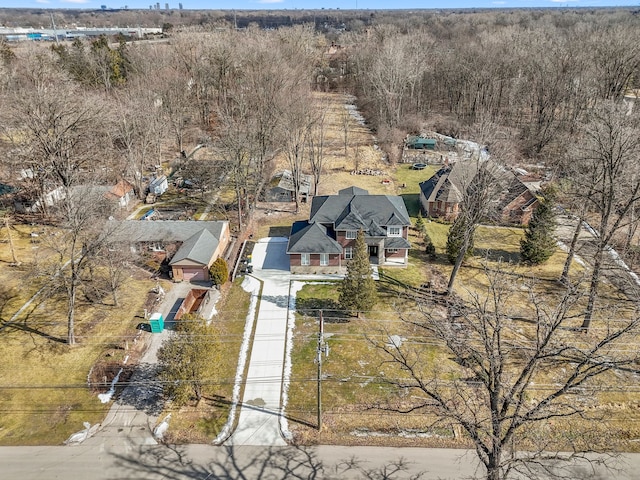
{"x": 13, "y": 251}
{"x": 321, "y": 350}
{"x": 55, "y": 33}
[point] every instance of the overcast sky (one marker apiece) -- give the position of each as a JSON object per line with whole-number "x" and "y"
{"x": 315, "y": 4}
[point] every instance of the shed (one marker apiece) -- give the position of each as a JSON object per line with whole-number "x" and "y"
{"x": 158, "y": 185}
{"x": 421, "y": 143}
{"x": 284, "y": 190}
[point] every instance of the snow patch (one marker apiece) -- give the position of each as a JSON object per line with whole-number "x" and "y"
{"x": 565, "y": 249}
{"x": 106, "y": 397}
{"x": 395, "y": 341}
{"x": 294, "y": 288}
{"x": 251, "y": 285}
{"x": 81, "y": 436}
{"x": 161, "y": 429}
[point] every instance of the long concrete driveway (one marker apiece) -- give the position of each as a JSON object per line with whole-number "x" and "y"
{"x": 259, "y": 420}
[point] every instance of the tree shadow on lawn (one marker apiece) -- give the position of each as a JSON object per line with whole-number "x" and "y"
{"x": 331, "y": 310}
{"x": 497, "y": 255}
{"x": 412, "y": 202}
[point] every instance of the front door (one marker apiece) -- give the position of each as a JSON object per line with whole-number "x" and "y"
{"x": 373, "y": 250}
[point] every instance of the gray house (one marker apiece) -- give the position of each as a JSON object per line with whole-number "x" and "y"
{"x": 189, "y": 246}
{"x": 325, "y": 242}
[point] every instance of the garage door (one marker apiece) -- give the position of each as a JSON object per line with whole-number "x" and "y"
{"x": 193, "y": 274}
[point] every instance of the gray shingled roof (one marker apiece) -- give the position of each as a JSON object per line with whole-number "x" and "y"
{"x": 353, "y": 191}
{"x": 333, "y": 209}
{"x": 448, "y": 183}
{"x": 311, "y": 238}
{"x": 133, "y": 231}
{"x": 198, "y": 248}
{"x": 396, "y": 242}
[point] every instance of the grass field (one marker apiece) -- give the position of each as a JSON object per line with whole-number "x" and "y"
{"x": 45, "y": 396}
{"x": 203, "y": 422}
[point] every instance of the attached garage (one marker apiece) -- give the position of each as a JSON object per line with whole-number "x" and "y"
{"x": 192, "y": 261}
{"x": 194, "y": 274}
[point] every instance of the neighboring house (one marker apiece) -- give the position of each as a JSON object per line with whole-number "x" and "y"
{"x": 48, "y": 199}
{"x": 190, "y": 247}
{"x": 158, "y": 185}
{"x": 122, "y": 192}
{"x": 194, "y": 257}
{"x": 284, "y": 190}
{"x": 440, "y": 195}
{"x": 325, "y": 243}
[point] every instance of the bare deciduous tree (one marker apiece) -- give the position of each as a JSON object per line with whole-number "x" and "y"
{"x": 81, "y": 236}
{"x": 478, "y": 187}
{"x": 604, "y": 177}
{"x": 511, "y": 387}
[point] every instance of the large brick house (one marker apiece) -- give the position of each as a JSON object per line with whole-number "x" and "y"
{"x": 325, "y": 242}
{"x": 440, "y": 195}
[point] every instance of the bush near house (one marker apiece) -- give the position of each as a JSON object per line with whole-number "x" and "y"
{"x": 219, "y": 271}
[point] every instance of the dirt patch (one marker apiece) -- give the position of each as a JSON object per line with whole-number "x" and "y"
{"x": 119, "y": 357}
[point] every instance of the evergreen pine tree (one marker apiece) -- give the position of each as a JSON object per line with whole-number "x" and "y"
{"x": 420, "y": 225}
{"x": 358, "y": 289}
{"x": 455, "y": 239}
{"x": 219, "y": 271}
{"x": 539, "y": 242}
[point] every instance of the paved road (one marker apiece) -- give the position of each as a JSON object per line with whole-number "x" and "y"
{"x": 255, "y": 463}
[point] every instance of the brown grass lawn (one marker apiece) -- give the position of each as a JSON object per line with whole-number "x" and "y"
{"x": 44, "y": 392}
{"x": 201, "y": 423}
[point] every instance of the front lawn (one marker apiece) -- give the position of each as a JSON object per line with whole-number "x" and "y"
{"x": 45, "y": 394}
{"x": 201, "y": 423}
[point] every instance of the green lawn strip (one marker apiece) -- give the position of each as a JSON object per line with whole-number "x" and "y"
{"x": 44, "y": 390}
{"x": 410, "y": 178}
{"x": 201, "y": 423}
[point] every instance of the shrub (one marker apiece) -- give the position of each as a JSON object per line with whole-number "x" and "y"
{"x": 219, "y": 271}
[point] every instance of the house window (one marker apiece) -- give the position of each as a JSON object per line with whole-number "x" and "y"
{"x": 305, "y": 259}
{"x": 157, "y": 247}
{"x": 394, "y": 231}
{"x": 351, "y": 234}
{"x": 324, "y": 259}
{"x": 348, "y": 253}
{"x": 392, "y": 250}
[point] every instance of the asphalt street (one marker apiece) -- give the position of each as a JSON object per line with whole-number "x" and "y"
{"x": 262, "y": 463}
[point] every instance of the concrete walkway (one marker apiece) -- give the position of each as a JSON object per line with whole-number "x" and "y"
{"x": 259, "y": 420}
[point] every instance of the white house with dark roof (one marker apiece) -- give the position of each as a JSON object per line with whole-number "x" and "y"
{"x": 325, "y": 242}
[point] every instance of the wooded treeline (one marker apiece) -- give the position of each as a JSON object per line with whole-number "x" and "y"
{"x": 246, "y": 94}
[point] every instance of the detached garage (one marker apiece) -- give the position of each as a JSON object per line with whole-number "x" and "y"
{"x": 192, "y": 261}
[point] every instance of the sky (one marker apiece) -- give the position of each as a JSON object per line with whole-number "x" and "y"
{"x": 313, "y": 4}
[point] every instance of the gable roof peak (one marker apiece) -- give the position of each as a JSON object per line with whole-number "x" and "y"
{"x": 353, "y": 191}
